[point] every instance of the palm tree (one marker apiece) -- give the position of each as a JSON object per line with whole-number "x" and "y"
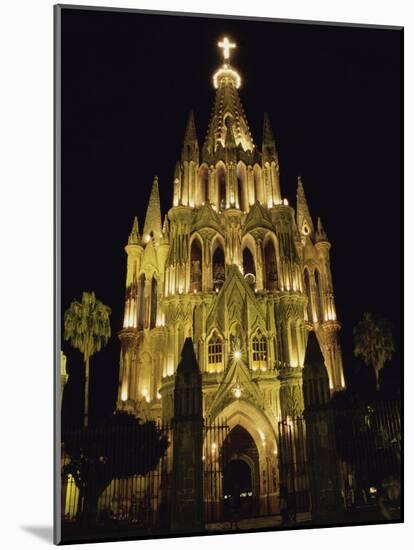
{"x": 373, "y": 341}
{"x": 87, "y": 328}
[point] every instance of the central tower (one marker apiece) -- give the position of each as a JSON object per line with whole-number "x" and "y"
{"x": 235, "y": 268}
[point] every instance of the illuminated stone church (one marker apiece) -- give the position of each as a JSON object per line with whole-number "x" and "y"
{"x": 240, "y": 271}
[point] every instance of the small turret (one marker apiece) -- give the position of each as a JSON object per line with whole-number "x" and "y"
{"x": 303, "y": 217}
{"x": 152, "y": 225}
{"x": 190, "y": 150}
{"x": 177, "y": 171}
{"x": 269, "y": 151}
{"x": 187, "y": 393}
{"x": 165, "y": 227}
{"x": 134, "y": 236}
{"x": 177, "y": 184}
{"x": 187, "y": 478}
{"x": 315, "y": 376}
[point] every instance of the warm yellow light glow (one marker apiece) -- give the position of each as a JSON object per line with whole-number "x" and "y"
{"x": 124, "y": 394}
{"x": 226, "y": 45}
{"x": 285, "y": 202}
{"x": 237, "y": 354}
{"x": 158, "y": 395}
{"x": 226, "y": 72}
{"x": 170, "y": 366}
{"x": 146, "y": 238}
{"x": 237, "y": 392}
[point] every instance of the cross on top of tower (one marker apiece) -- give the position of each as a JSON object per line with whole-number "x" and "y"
{"x": 226, "y": 45}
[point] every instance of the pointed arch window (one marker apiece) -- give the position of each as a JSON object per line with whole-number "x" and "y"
{"x": 221, "y": 185}
{"x": 308, "y": 295}
{"x": 259, "y": 349}
{"x": 154, "y": 300}
{"x": 141, "y": 299}
{"x": 196, "y": 266}
{"x": 242, "y": 187}
{"x": 270, "y": 266}
{"x": 249, "y": 269}
{"x": 218, "y": 267}
{"x": 215, "y": 353}
{"x": 203, "y": 184}
{"x": 319, "y": 296}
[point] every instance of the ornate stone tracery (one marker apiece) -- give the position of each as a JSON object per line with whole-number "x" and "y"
{"x": 235, "y": 268}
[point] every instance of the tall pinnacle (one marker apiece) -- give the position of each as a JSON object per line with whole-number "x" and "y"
{"x": 303, "y": 217}
{"x": 315, "y": 376}
{"x": 134, "y": 235}
{"x": 269, "y": 151}
{"x": 188, "y": 365}
{"x": 152, "y": 225}
{"x": 190, "y": 147}
{"x": 165, "y": 226}
{"x": 227, "y": 104}
{"x": 190, "y": 132}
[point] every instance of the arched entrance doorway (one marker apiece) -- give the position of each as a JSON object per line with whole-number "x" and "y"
{"x": 240, "y": 473}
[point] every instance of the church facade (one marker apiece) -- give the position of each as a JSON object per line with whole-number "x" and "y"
{"x": 236, "y": 268}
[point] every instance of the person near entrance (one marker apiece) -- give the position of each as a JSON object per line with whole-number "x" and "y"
{"x": 235, "y": 506}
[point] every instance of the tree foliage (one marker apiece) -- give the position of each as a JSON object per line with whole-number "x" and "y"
{"x": 373, "y": 341}
{"x": 363, "y": 437}
{"x": 86, "y": 325}
{"x": 120, "y": 448}
{"x": 87, "y": 328}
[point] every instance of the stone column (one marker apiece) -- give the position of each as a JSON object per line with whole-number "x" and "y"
{"x": 187, "y": 483}
{"x": 326, "y": 503}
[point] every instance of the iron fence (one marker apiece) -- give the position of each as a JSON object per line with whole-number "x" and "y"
{"x": 101, "y": 489}
{"x": 365, "y": 444}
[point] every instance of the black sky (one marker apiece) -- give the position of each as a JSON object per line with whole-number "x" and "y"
{"x": 334, "y": 98}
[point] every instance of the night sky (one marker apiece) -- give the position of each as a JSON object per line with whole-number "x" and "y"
{"x": 334, "y": 99}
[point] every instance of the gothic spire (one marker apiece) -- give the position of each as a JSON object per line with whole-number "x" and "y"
{"x": 227, "y": 104}
{"x": 303, "y": 217}
{"x": 134, "y": 236}
{"x": 269, "y": 151}
{"x": 190, "y": 146}
{"x": 315, "y": 376}
{"x": 165, "y": 226}
{"x": 177, "y": 171}
{"x": 152, "y": 225}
